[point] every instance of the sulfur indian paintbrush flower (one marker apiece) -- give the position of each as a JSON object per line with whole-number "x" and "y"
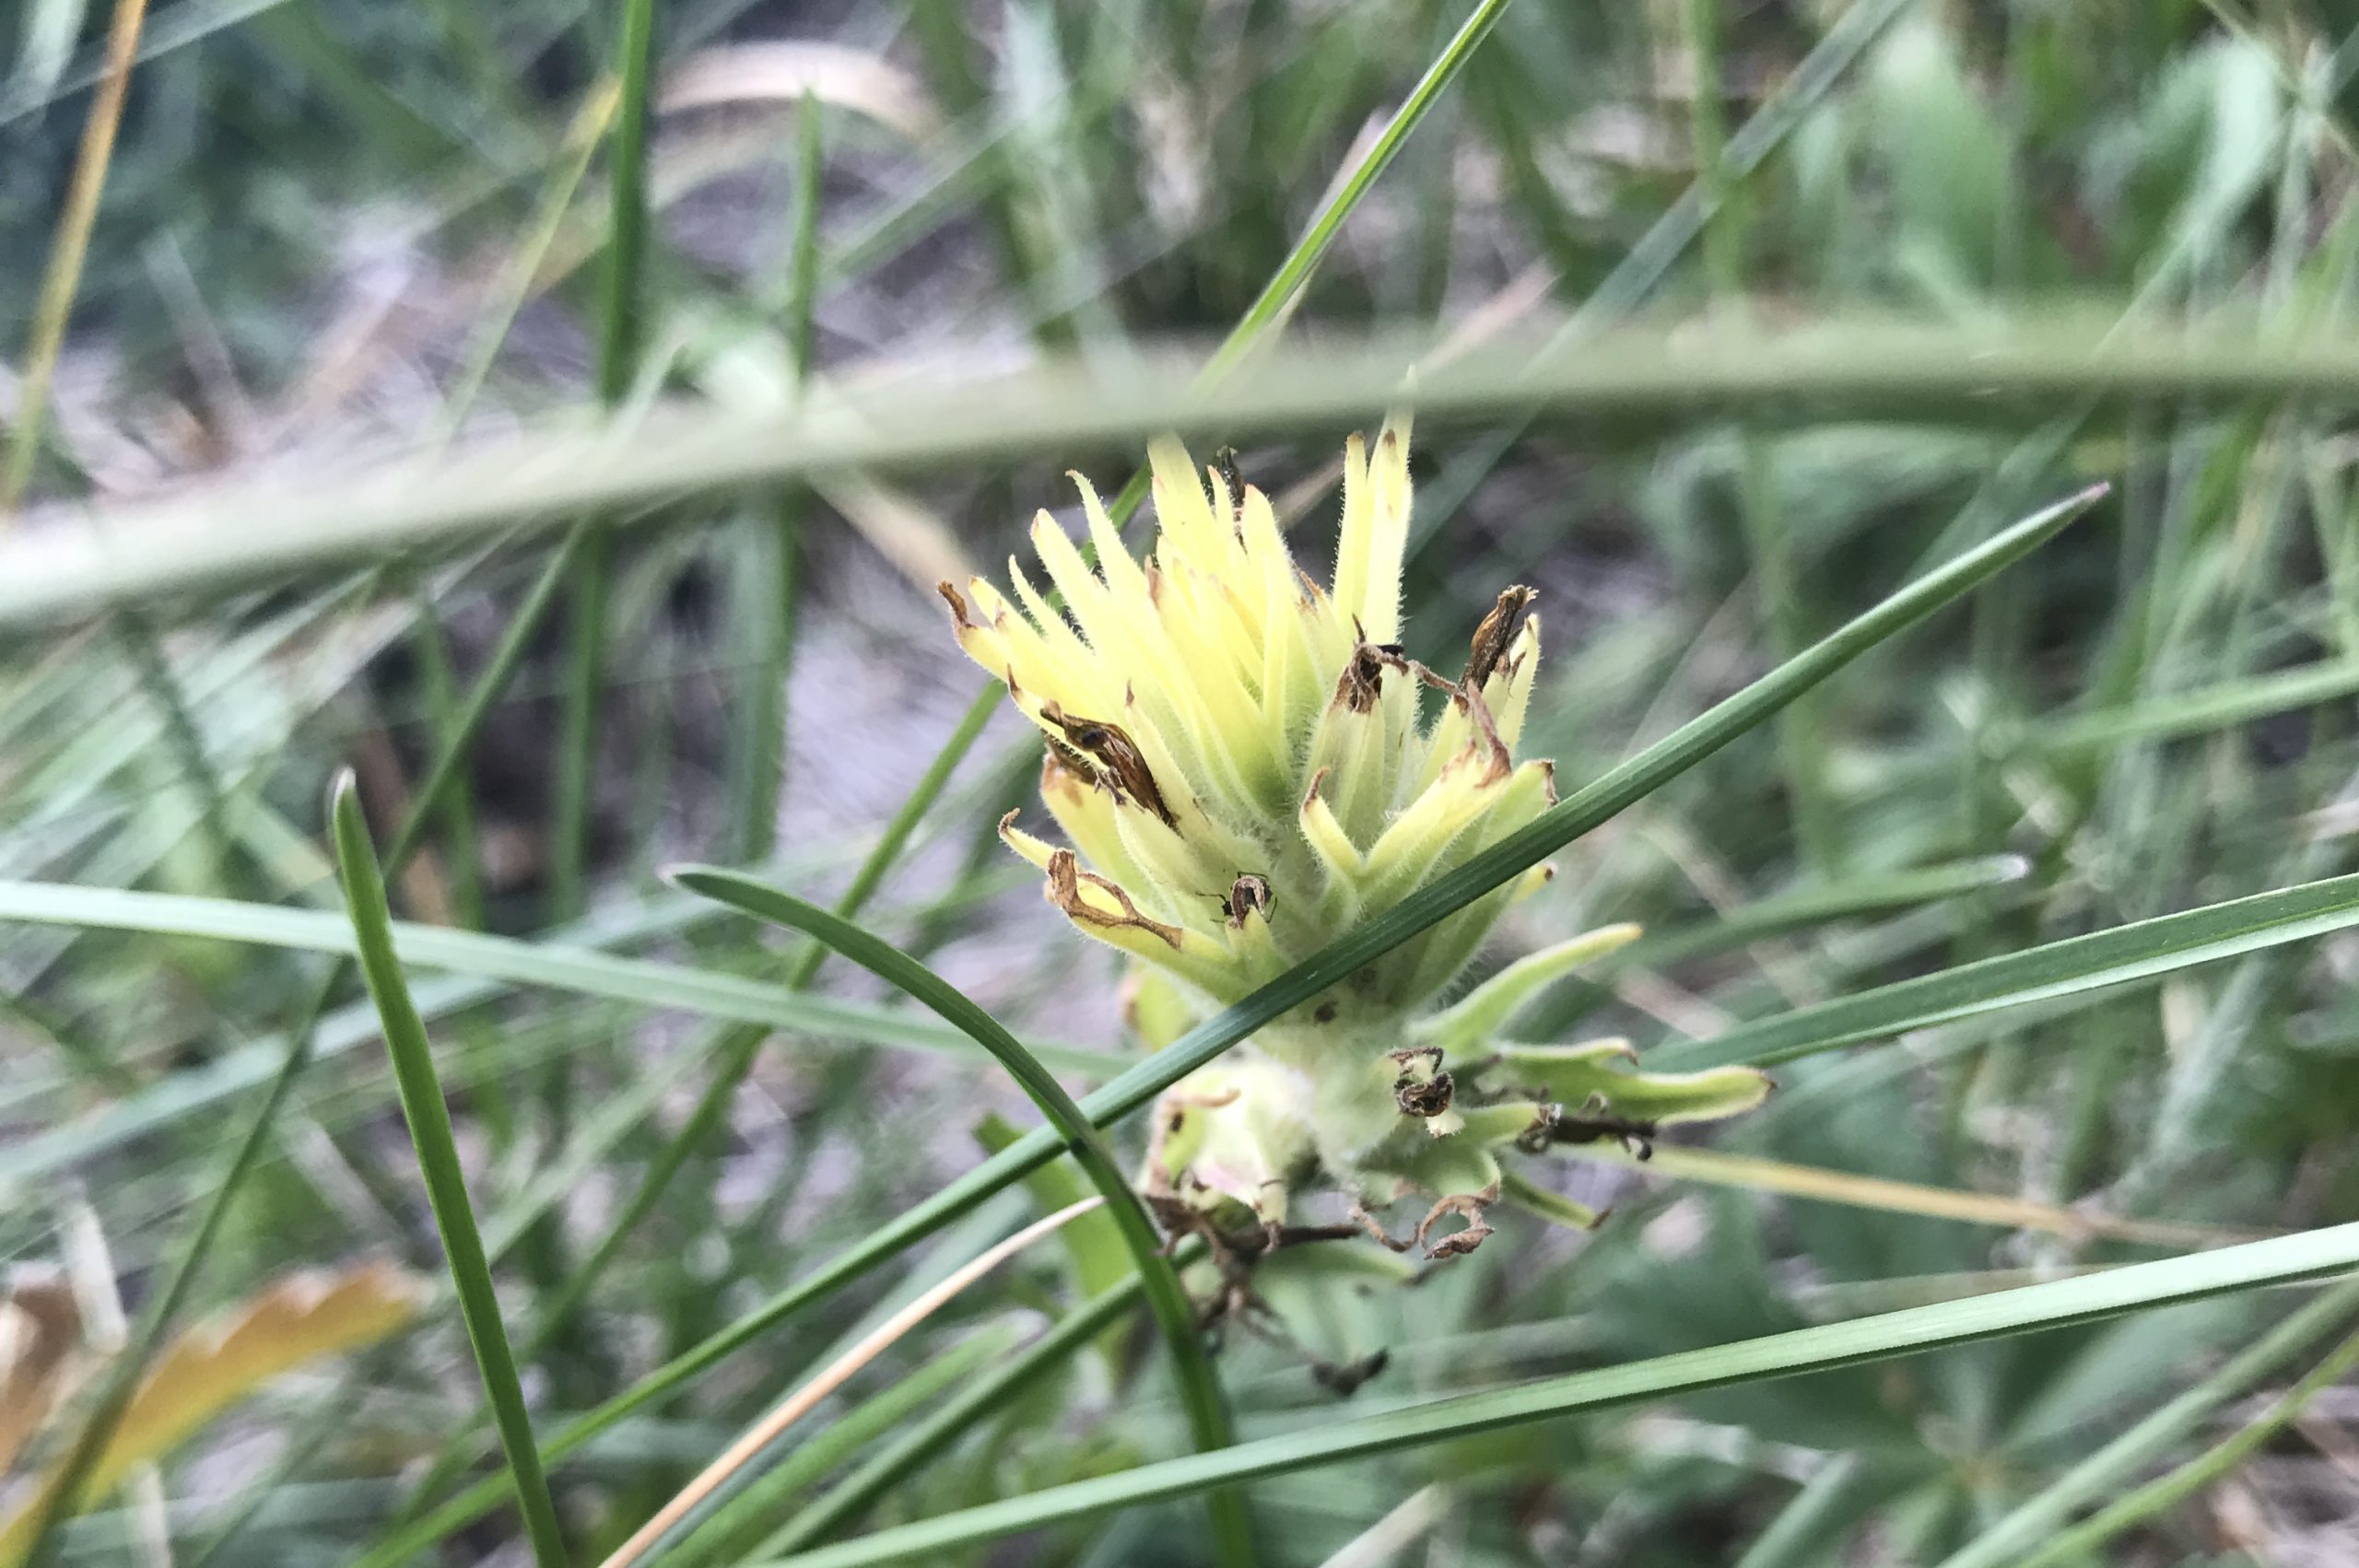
{"x": 1244, "y": 766}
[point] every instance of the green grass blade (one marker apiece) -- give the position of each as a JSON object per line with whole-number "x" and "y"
{"x": 438, "y": 1162}
{"x": 499, "y": 673}
{"x": 1819, "y": 1514}
{"x": 1850, "y": 898}
{"x": 620, "y": 329}
{"x": 1845, "y": 41}
{"x": 1175, "y": 1316}
{"x": 2194, "y": 712}
{"x": 2140, "y": 951}
{"x": 621, "y": 323}
{"x": 179, "y": 1096}
{"x": 579, "y": 970}
{"x": 585, "y": 669}
{"x": 772, "y": 546}
{"x": 69, "y": 244}
{"x": 462, "y": 840}
{"x": 1269, "y": 308}
{"x": 1278, "y": 295}
{"x": 238, "y": 534}
{"x": 1775, "y": 914}
{"x": 2133, "y": 1288}
{"x": 523, "y": 272}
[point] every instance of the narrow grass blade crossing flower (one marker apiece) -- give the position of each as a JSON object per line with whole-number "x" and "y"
{"x": 1198, "y": 1388}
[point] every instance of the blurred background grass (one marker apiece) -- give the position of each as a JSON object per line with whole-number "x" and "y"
{"x": 334, "y": 231}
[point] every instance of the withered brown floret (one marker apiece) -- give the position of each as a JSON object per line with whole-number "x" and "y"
{"x": 1363, "y": 679}
{"x": 1248, "y": 893}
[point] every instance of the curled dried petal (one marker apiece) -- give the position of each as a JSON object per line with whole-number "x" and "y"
{"x": 1065, "y": 880}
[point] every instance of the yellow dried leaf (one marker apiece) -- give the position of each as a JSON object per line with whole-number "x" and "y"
{"x": 40, "y": 1327}
{"x": 212, "y": 1366}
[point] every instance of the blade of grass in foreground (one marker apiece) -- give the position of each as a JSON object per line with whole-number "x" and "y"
{"x": 636, "y": 464}
{"x": 579, "y": 970}
{"x": 1200, "y": 1392}
{"x": 437, "y": 1163}
{"x": 1578, "y": 813}
{"x": 2118, "y": 956}
{"x": 2133, "y": 1288}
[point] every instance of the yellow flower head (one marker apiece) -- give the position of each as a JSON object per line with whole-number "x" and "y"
{"x": 1246, "y": 765}
{"x": 1236, "y": 752}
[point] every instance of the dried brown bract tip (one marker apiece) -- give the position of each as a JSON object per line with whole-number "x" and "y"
{"x": 1468, "y": 1206}
{"x": 1065, "y": 880}
{"x": 1111, "y": 746}
{"x": 1496, "y": 634}
{"x": 957, "y": 605}
{"x": 1458, "y": 1243}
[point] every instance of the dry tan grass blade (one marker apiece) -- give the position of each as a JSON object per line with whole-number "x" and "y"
{"x": 800, "y": 1402}
{"x": 782, "y": 71}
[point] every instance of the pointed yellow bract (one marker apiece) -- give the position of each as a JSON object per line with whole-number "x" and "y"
{"x": 1246, "y": 764}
